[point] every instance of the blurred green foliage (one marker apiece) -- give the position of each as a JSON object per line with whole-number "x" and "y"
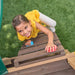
{"x": 9, "y": 43}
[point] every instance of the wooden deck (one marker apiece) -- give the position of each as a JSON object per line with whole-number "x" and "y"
{"x": 34, "y": 54}
{"x": 37, "y": 52}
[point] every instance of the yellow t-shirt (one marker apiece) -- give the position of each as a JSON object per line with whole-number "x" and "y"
{"x": 32, "y": 16}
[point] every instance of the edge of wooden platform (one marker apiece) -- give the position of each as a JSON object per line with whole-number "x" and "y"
{"x": 41, "y": 63}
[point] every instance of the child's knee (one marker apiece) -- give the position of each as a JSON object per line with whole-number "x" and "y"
{"x": 54, "y": 23}
{"x": 52, "y": 29}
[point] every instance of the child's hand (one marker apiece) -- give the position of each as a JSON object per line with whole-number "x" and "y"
{"x": 50, "y": 47}
{"x": 28, "y": 42}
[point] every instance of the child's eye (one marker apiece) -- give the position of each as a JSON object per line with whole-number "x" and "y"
{"x": 26, "y": 27}
{"x": 20, "y": 31}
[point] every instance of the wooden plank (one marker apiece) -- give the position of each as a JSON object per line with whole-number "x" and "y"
{"x": 27, "y": 62}
{"x": 42, "y": 35}
{"x": 41, "y": 63}
{"x": 6, "y": 61}
{"x": 36, "y": 48}
{"x": 66, "y": 51}
{"x": 10, "y": 63}
{"x": 34, "y": 55}
{"x": 46, "y": 68}
{"x": 54, "y": 34}
{"x": 40, "y": 40}
{"x": 45, "y": 37}
{"x": 37, "y": 60}
{"x": 71, "y": 61}
{"x": 63, "y": 72}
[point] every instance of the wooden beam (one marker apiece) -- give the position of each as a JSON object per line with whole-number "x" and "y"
{"x": 44, "y": 69}
{"x": 67, "y": 51}
{"x": 37, "y": 48}
{"x": 40, "y": 39}
{"x": 71, "y": 61}
{"x": 41, "y": 63}
{"x": 6, "y": 61}
{"x": 35, "y": 55}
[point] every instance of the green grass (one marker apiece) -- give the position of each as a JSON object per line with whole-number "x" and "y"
{"x": 63, "y": 11}
{"x": 9, "y": 44}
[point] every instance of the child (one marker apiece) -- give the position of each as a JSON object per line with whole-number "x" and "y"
{"x": 28, "y": 26}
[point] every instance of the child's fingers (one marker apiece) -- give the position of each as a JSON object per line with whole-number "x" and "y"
{"x": 51, "y": 49}
{"x": 54, "y": 48}
{"x": 46, "y": 49}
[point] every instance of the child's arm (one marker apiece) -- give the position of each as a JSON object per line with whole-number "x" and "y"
{"x": 47, "y": 32}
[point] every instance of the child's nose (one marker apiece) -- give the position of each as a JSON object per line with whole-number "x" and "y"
{"x": 25, "y": 31}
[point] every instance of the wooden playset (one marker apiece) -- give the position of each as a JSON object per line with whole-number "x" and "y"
{"x": 34, "y": 60}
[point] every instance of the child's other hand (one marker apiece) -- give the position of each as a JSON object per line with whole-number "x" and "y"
{"x": 51, "y": 47}
{"x": 28, "y": 42}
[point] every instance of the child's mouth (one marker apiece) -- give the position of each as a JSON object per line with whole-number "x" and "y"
{"x": 27, "y": 34}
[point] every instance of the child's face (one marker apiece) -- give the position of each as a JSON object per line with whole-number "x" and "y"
{"x": 24, "y": 29}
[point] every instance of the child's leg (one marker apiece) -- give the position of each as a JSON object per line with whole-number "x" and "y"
{"x": 52, "y": 29}
{"x": 48, "y": 21}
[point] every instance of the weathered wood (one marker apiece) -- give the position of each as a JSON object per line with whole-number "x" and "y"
{"x": 37, "y": 48}
{"x": 46, "y": 68}
{"x": 55, "y": 55}
{"x": 42, "y": 38}
{"x": 63, "y": 72}
{"x": 34, "y": 60}
{"x": 37, "y": 54}
{"x": 41, "y": 63}
{"x": 66, "y": 51}
{"x": 6, "y": 61}
{"x": 52, "y": 56}
{"x": 35, "y": 51}
{"x": 71, "y": 61}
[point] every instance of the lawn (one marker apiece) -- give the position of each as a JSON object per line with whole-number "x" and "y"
{"x": 63, "y": 11}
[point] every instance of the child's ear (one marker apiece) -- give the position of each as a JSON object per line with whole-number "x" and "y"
{"x": 29, "y": 22}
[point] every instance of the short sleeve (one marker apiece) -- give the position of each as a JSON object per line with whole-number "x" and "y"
{"x": 33, "y": 15}
{"x": 36, "y": 14}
